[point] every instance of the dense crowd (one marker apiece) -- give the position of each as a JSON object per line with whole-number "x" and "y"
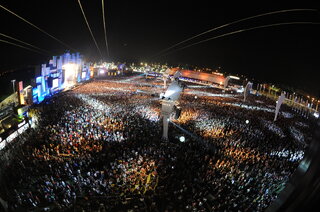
{"x": 99, "y": 148}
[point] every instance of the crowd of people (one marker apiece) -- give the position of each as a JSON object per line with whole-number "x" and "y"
{"x": 99, "y": 148}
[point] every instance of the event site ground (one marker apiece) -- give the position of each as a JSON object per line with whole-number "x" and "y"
{"x": 98, "y": 147}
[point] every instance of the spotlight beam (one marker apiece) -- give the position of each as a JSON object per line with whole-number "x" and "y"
{"x": 231, "y": 23}
{"x": 38, "y": 28}
{"x": 85, "y": 18}
{"x": 104, "y": 27}
{"x": 28, "y": 44}
{"x": 238, "y": 31}
{"x": 8, "y": 42}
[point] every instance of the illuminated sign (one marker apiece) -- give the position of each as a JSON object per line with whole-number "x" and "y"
{"x": 21, "y": 97}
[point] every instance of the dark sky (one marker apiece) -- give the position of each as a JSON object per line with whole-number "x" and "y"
{"x": 139, "y": 29}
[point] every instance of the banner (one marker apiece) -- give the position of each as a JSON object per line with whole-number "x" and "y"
{"x": 279, "y": 102}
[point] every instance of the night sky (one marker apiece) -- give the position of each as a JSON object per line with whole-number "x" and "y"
{"x": 136, "y": 30}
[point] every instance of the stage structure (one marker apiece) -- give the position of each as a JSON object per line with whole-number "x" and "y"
{"x": 169, "y": 100}
{"x": 61, "y": 72}
{"x": 247, "y": 91}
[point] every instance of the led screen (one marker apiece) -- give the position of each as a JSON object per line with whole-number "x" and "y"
{"x": 84, "y": 75}
{"x": 55, "y": 83}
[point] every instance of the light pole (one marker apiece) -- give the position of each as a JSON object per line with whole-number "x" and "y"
{"x": 13, "y": 85}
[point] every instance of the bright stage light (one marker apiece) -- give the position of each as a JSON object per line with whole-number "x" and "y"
{"x": 70, "y": 74}
{"x": 173, "y": 91}
{"x": 182, "y": 139}
{"x": 169, "y": 93}
{"x": 247, "y": 121}
{"x": 70, "y": 67}
{"x": 83, "y": 75}
{"x": 234, "y": 77}
{"x": 240, "y": 90}
{"x": 316, "y": 115}
{"x": 55, "y": 83}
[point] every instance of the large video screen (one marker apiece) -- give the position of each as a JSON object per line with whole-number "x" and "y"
{"x": 55, "y": 83}
{"x": 84, "y": 74}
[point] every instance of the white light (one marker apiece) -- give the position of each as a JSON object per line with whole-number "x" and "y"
{"x": 234, "y": 77}
{"x": 182, "y": 139}
{"x": 168, "y": 119}
{"x": 70, "y": 73}
{"x": 22, "y": 123}
{"x": 15, "y": 134}
{"x": 240, "y": 90}
{"x": 247, "y": 121}
{"x": 69, "y": 66}
{"x": 169, "y": 93}
{"x": 101, "y": 71}
{"x": 195, "y": 97}
{"x": 55, "y": 83}
{"x": 316, "y": 115}
{"x": 217, "y": 73}
{"x": 84, "y": 74}
{"x": 2, "y": 145}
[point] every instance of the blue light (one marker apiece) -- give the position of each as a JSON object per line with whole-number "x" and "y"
{"x": 39, "y": 80}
